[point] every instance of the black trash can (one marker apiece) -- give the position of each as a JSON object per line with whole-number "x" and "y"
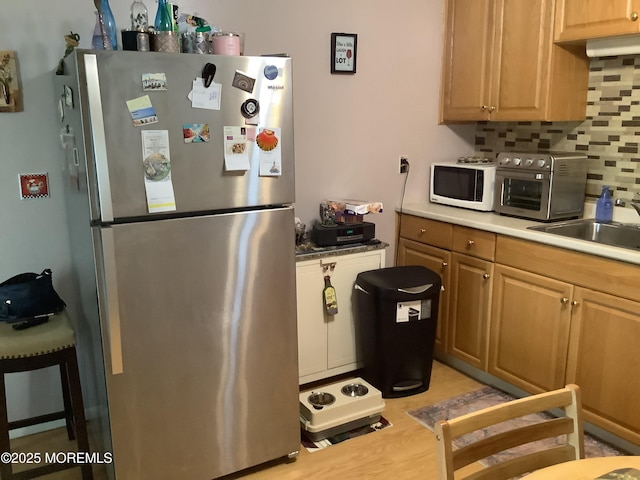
{"x": 396, "y": 313}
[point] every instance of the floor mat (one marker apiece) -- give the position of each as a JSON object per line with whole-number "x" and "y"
{"x": 487, "y": 397}
{"x": 356, "y": 432}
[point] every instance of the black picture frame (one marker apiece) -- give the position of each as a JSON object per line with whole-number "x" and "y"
{"x": 344, "y": 49}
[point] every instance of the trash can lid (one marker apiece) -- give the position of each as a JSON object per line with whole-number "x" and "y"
{"x": 394, "y": 278}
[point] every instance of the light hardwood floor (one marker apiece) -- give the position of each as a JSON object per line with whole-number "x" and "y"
{"x": 405, "y": 451}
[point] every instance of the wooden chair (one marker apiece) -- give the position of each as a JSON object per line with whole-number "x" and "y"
{"x": 451, "y": 460}
{"x": 46, "y": 345}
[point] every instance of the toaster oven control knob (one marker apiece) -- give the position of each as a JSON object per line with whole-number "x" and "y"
{"x": 505, "y": 161}
{"x": 528, "y": 162}
{"x": 542, "y": 162}
{"x": 517, "y": 161}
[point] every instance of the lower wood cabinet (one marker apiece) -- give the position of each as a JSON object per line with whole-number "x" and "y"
{"x": 530, "y": 323}
{"x": 603, "y": 359}
{"x": 327, "y": 343}
{"x": 536, "y": 316}
{"x": 470, "y": 309}
{"x": 436, "y": 260}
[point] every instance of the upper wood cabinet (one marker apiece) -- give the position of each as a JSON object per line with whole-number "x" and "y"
{"x": 500, "y": 63}
{"x": 579, "y": 20}
{"x": 466, "y": 69}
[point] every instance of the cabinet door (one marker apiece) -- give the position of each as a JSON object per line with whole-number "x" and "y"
{"x": 521, "y": 67}
{"x": 437, "y": 260}
{"x": 466, "y": 68}
{"x": 470, "y": 309}
{"x": 500, "y": 64}
{"x": 584, "y": 19}
{"x": 529, "y": 330}
{"x": 341, "y": 335}
{"x": 603, "y": 360}
{"x": 312, "y": 328}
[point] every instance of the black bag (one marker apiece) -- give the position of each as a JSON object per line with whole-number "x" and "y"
{"x": 29, "y": 295}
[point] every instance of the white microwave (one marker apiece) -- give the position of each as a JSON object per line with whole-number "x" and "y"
{"x": 466, "y": 185}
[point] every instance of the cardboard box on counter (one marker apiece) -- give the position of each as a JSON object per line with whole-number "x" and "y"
{"x": 355, "y": 207}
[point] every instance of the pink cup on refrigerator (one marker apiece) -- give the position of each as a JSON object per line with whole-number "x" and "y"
{"x": 225, "y": 43}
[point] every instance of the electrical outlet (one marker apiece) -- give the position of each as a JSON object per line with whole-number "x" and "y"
{"x": 404, "y": 164}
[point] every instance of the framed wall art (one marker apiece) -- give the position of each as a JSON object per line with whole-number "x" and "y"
{"x": 343, "y": 52}
{"x": 10, "y": 94}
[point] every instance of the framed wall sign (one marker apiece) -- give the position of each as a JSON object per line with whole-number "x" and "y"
{"x": 10, "y": 93}
{"x": 343, "y": 52}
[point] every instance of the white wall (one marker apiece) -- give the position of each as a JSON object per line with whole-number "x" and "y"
{"x": 350, "y": 129}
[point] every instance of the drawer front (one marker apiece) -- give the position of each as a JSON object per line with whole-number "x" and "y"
{"x": 476, "y": 243}
{"x": 423, "y": 230}
{"x": 589, "y": 271}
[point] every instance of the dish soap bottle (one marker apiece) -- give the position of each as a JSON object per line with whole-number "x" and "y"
{"x": 604, "y": 206}
{"x": 329, "y": 297}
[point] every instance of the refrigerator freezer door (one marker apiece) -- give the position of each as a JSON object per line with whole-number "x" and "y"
{"x": 206, "y": 383}
{"x": 199, "y": 176}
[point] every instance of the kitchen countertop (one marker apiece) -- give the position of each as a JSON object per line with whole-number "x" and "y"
{"x": 321, "y": 252}
{"x": 515, "y": 227}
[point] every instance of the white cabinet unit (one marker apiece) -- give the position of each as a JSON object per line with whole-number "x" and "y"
{"x": 327, "y": 343}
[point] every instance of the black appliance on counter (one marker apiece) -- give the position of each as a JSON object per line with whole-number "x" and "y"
{"x": 342, "y": 234}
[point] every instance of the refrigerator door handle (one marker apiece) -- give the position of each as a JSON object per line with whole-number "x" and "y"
{"x": 99, "y": 137}
{"x": 111, "y": 295}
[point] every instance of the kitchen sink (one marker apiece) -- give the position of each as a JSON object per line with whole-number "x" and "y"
{"x": 625, "y": 235}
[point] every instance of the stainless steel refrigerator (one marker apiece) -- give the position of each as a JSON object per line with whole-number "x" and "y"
{"x": 180, "y": 185}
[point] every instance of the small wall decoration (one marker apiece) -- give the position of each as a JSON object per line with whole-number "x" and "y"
{"x": 34, "y": 185}
{"x": 10, "y": 94}
{"x": 343, "y": 52}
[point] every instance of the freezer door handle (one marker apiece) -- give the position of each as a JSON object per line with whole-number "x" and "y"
{"x": 110, "y": 291}
{"x": 99, "y": 138}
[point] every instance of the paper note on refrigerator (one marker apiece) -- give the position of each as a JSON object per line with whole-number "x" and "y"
{"x": 203, "y": 97}
{"x": 236, "y": 151}
{"x": 268, "y": 141}
{"x": 156, "y": 159}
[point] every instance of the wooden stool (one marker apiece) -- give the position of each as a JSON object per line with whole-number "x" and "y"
{"x": 46, "y": 345}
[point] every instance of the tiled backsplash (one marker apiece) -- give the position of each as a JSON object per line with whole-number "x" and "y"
{"x": 610, "y": 136}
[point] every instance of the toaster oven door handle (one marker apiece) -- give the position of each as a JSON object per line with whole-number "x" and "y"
{"x": 519, "y": 175}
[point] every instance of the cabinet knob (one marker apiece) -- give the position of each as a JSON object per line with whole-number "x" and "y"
{"x": 564, "y": 300}
{"x": 445, "y": 264}
{"x": 486, "y": 276}
{"x": 470, "y": 243}
{"x": 492, "y": 108}
{"x": 575, "y": 303}
{"x": 633, "y": 16}
{"x": 422, "y": 230}
{"x": 484, "y": 107}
